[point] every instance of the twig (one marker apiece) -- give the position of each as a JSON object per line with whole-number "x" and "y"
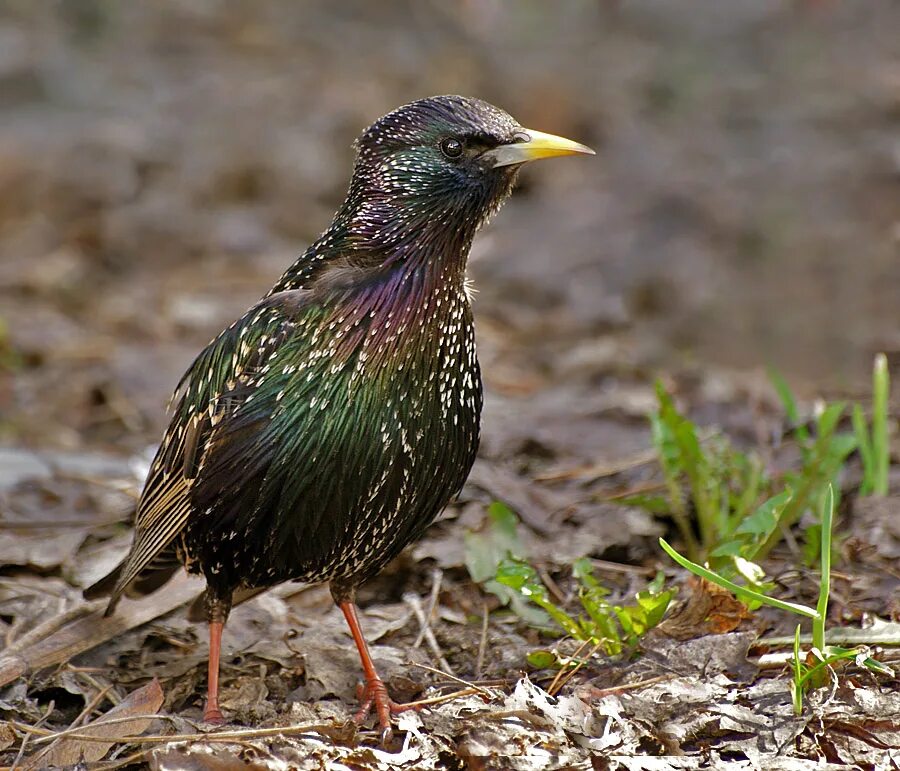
{"x": 89, "y": 707}
{"x": 578, "y": 666}
{"x": 482, "y": 643}
{"x": 415, "y": 604}
{"x": 884, "y": 634}
{"x": 21, "y": 754}
{"x": 646, "y": 487}
{"x": 126, "y": 761}
{"x": 49, "y": 736}
{"x": 459, "y": 680}
{"x": 212, "y": 736}
{"x": 505, "y": 714}
{"x": 597, "y": 693}
{"x": 52, "y": 624}
{"x": 619, "y": 567}
{"x": 436, "y": 576}
{"x": 448, "y": 697}
{"x": 562, "y": 670}
{"x": 552, "y": 586}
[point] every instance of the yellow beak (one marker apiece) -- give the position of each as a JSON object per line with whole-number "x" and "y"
{"x": 531, "y": 145}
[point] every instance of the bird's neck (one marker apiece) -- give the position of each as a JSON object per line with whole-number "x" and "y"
{"x": 362, "y": 247}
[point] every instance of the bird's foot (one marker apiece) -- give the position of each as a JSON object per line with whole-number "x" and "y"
{"x": 374, "y": 694}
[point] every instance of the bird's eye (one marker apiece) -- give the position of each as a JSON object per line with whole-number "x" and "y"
{"x": 451, "y": 147}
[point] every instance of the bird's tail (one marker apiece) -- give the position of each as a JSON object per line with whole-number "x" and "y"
{"x": 148, "y": 581}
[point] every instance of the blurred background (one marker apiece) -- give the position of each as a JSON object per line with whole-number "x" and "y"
{"x": 161, "y": 163}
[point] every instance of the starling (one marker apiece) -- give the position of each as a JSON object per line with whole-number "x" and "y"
{"x": 326, "y": 428}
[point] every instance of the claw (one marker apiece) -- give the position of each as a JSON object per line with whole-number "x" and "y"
{"x": 374, "y": 694}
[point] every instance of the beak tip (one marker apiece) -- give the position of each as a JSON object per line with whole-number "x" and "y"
{"x": 533, "y": 145}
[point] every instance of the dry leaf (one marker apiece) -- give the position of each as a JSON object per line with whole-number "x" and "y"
{"x": 708, "y": 609}
{"x": 67, "y": 751}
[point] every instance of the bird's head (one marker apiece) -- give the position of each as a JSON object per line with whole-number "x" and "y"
{"x": 440, "y": 167}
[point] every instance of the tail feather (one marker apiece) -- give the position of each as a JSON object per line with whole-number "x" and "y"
{"x": 146, "y": 582}
{"x": 149, "y": 580}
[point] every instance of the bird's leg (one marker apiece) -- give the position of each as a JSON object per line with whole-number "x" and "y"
{"x": 217, "y": 609}
{"x": 374, "y": 692}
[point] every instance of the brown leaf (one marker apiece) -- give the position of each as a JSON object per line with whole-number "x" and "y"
{"x": 709, "y": 609}
{"x": 67, "y": 751}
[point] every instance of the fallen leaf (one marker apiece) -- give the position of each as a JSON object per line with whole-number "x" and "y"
{"x": 708, "y": 609}
{"x": 67, "y": 750}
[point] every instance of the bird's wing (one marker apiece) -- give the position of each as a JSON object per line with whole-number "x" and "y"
{"x": 273, "y": 453}
{"x": 209, "y": 392}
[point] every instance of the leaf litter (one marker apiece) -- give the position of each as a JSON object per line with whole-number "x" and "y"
{"x": 695, "y": 694}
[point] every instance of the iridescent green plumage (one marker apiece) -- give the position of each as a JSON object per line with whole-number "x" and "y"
{"x": 324, "y": 430}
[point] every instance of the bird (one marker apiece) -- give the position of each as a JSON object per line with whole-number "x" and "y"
{"x": 325, "y": 429}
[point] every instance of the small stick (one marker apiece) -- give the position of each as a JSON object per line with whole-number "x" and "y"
{"x": 578, "y": 666}
{"x": 598, "y": 471}
{"x": 436, "y": 576}
{"x": 446, "y": 697}
{"x": 619, "y": 567}
{"x": 413, "y": 601}
{"x": 552, "y": 586}
{"x": 88, "y": 708}
{"x": 646, "y": 487}
{"x": 563, "y": 669}
{"x": 601, "y": 692}
{"x": 126, "y": 761}
{"x": 459, "y": 680}
{"x": 49, "y": 736}
{"x": 212, "y": 736}
{"x": 21, "y": 754}
{"x": 482, "y": 644}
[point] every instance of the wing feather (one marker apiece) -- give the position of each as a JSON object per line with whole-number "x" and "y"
{"x": 208, "y": 396}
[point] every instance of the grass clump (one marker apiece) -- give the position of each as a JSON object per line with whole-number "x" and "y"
{"x": 813, "y": 669}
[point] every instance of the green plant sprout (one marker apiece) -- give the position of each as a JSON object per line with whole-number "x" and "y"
{"x": 497, "y": 559}
{"x": 719, "y": 484}
{"x": 873, "y": 443}
{"x": 804, "y": 675}
{"x": 487, "y": 548}
{"x": 727, "y": 508}
{"x": 604, "y": 624}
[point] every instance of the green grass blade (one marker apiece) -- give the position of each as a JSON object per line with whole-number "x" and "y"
{"x": 825, "y": 566}
{"x": 789, "y": 403}
{"x": 739, "y": 591}
{"x": 797, "y": 683}
{"x": 881, "y": 387}
{"x": 866, "y": 452}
